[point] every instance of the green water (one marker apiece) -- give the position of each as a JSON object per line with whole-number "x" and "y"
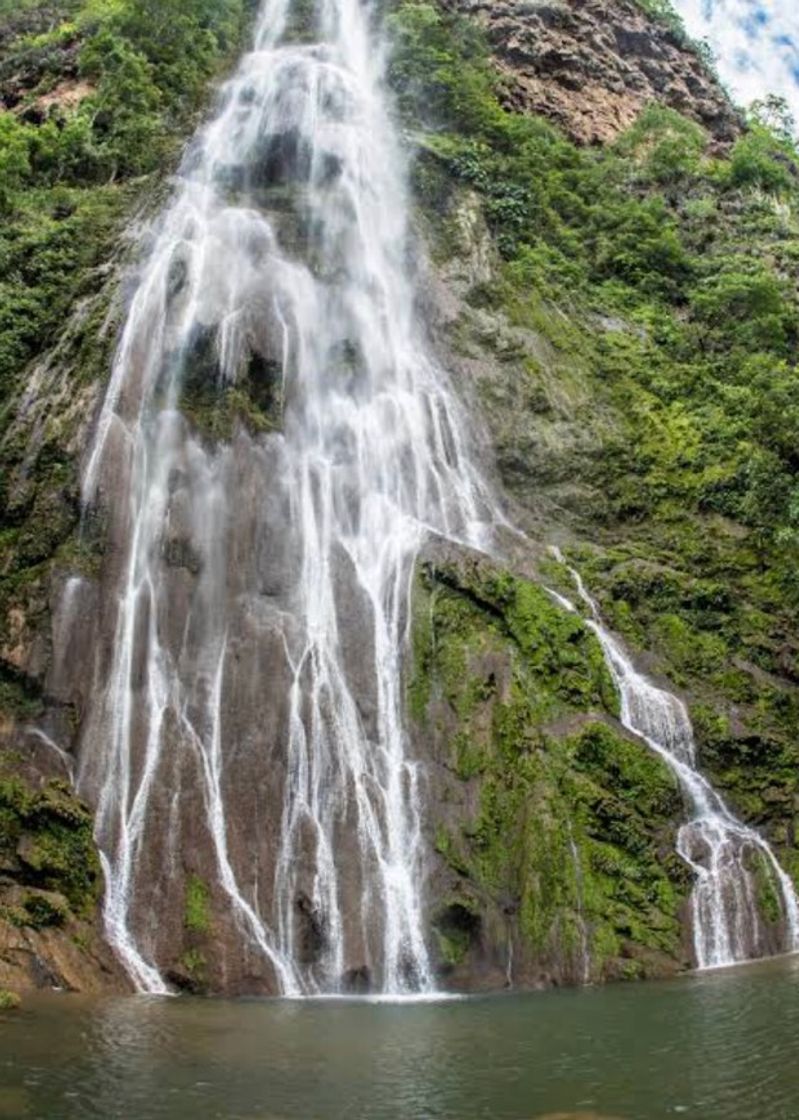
{"x": 722, "y": 1046}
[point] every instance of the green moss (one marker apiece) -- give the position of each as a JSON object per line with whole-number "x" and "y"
{"x": 419, "y": 684}
{"x": 215, "y": 409}
{"x": 197, "y": 915}
{"x": 41, "y": 911}
{"x": 769, "y": 898}
{"x": 9, "y": 1001}
{"x": 724, "y": 638}
{"x": 192, "y": 972}
{"x": 581, "y": 852}
{"x": 215, "y": 414}
{"x": 195, "y": 963}
{"x": 572, "y": 825}
{"x": 48, "y": 834}
{"x": 669, "y": 302}
{"x": 466, "y": 609}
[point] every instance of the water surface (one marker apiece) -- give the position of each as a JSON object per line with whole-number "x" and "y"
{"x": 718, "y": 1046}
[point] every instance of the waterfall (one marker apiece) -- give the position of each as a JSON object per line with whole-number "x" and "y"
{"x": 726, "y": 922}
{"x": 585, "y": 950}
{"x": 246, "y": 708}
{"x": 243, "y": 722}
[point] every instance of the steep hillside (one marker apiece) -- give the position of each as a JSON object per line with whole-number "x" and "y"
{"x": 625, "y": 318}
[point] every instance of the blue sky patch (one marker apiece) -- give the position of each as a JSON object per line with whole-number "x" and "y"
{"x": 756, "y": 44}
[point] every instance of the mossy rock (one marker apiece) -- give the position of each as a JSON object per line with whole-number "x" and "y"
{"x": 197, "y": 913}
{"x": 572, "y": 831}
{"x": 46, "y": 840}
{"x": 9, "y": 1001}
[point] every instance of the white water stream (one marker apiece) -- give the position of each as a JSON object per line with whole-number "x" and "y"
{"x": 721, "y": 851}
{"x": 370, "y": 456}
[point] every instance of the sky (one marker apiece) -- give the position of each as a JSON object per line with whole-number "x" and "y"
{"x": 756, "y": 43}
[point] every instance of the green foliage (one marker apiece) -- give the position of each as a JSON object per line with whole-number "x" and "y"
{"x": 67, "y": 182}
{"x": 774, "y": 116}
{"x": 195, "y": 964}
{"x": 123, "y": 135}
{"x": 768, "y": 890}
{"x": 692, "y": 257}
{"x": 104, "y": 92}
{"x": 665, "y": 13}
{"x": 722, "y": 637}
{"x": 47, "y": 836}
{"x": 196, "y": 916}
{"x": 663, "y": 147}
{"x": 42, "y": 911}
{"x": 656, "y": 412}
{"x": 48, "y": 253}
{"x": 9, "y": 1001}
{"x": 424, "y": 72}
{"x": 572, "y": 826}
{"x": 15, "y": 143}
{"x": 558, "y": 649}
{"x": 762, "y": 158}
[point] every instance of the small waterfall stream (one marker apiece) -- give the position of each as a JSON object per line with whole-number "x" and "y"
{"x": 726, "y": 922}
{"x": 585, "y": 951}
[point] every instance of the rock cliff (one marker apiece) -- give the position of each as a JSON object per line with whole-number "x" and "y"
{"x": 591, "y": 66}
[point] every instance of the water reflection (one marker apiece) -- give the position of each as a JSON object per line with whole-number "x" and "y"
{"x": 714, "y": 1047}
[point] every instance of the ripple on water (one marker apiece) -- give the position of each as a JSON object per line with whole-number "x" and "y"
{"x": 713, "y": 1047}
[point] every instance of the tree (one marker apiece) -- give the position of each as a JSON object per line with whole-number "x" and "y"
{"x": 772, "y": 112}
{"x": 14, "y": 157}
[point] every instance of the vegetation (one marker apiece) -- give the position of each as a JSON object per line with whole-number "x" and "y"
{"x": 663, "y": 11}
{"x": 9, "y": 1001}
{"x": 693, "y": 253}
{"x": 573, "y": 836}
{"x": 191, "y": 972}
{"x": 99, "y": 94}
{"x": 47, "y": 847}
{"x": 654, "y": 412}
{"x": 656, "y": 280}
{"x": 197, "y": 915}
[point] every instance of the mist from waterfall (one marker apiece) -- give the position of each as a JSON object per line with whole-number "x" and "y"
{"x": 286, "y": 251}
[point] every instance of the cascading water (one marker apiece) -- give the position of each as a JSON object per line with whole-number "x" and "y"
{"x": 726, "y": 921}
{"x": 246, "y": 722}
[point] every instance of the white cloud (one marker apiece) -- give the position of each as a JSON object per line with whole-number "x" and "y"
{"x": 756, "y": 43}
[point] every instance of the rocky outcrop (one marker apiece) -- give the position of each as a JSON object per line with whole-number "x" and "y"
{"x": 592, "y": 65}
{"x": 49, "y": 875}
{"x": 553, "y": 829}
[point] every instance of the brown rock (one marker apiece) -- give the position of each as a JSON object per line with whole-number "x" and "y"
{"x": 592, "y": 65}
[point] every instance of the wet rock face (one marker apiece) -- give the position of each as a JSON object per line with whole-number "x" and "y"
{"x": 551, "y": 829}
{"x": 49, "y": 877}
{"x": 592, "y": 65}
